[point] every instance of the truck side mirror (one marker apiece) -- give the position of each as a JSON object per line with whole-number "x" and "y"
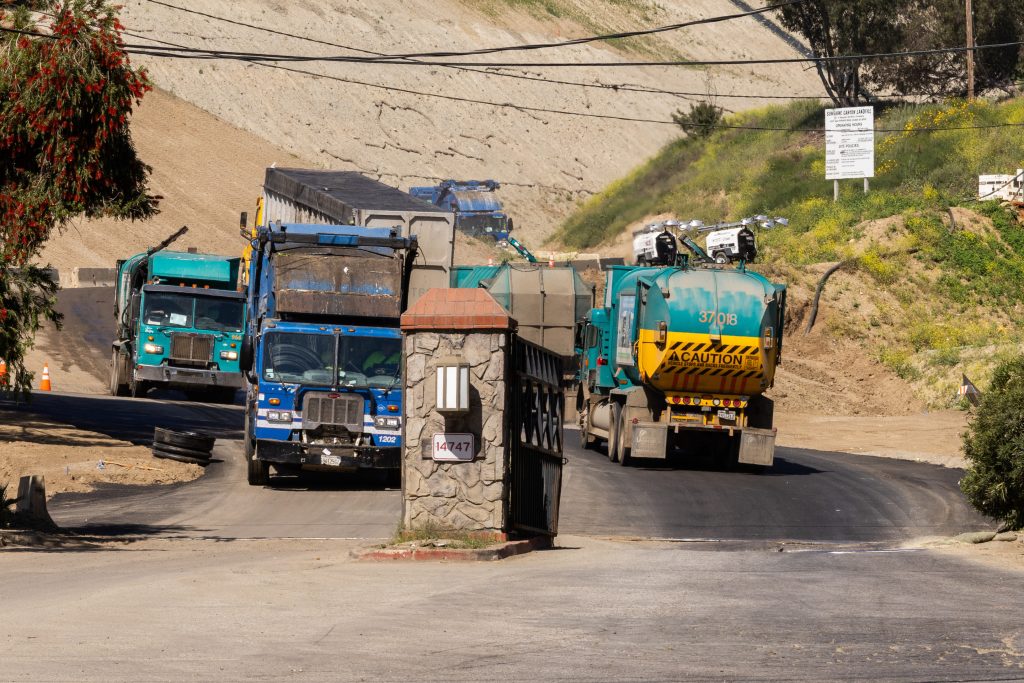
{"x": 245, "y": 357}
{"x": 136, "y": 307}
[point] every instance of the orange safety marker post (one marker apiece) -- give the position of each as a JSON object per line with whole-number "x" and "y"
{"x": 3, "y": 369}
{"x": 44, "y": 385}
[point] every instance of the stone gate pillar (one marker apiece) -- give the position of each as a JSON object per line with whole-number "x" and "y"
{"x": 455, "y": 465}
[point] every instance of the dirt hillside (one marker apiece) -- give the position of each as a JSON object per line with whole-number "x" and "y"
{"x": 208, "y": 172}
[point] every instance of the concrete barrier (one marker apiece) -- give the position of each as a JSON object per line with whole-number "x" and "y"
{"x": 91, "y": 277}
{"x": 31, "y": 502}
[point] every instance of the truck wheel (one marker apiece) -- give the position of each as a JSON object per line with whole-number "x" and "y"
{"x": 721, "y": 259}
{"x": 625, "y": 447}
{"x": 613, "y": 432}
{"x": 117, "y": 386}
{"x": 258, "y": 472}
{"x": 137, "y": 388}
{"x": 583, "y": 408}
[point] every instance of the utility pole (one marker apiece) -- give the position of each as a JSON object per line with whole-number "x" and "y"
{"x": 970, "y": 51}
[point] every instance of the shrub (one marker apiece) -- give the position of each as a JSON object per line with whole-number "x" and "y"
{"x": 994, "y": 446}
{"x": 701, "y": 120}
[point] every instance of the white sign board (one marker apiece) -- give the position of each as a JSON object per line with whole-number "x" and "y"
{"x": 850, "y": 143}
{"x": 454, "y": 447}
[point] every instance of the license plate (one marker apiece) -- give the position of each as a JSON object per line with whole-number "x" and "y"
{"x": 333, "y": 460}
{"x": 726, "y": 414}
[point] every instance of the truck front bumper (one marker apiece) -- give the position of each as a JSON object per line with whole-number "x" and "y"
{"x": 328, "y": 457}
{"x": 187, "y": 377}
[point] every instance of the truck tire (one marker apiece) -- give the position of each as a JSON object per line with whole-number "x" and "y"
{"x": 178, "y": 450}
{"x": 625, "y": 448}
{"x": 583, "y": 409}
{"x": 159, "y": 453}
{"x": 613, "y": 431}
{"x": 137, "y": 388}
{"x": 117, "y": 385}
{"x": 257, "y": 471}
{"x": 188, "y": 440}
{"x": 761, "y": 413}
{"x": 721, "y": 258}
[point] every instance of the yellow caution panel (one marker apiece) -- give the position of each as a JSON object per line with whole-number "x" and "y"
{"x": 693, "y": 362}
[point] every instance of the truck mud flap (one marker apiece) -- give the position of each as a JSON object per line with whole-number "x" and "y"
{"x": 757, "y": 446}
{"x": 650, "y": 441}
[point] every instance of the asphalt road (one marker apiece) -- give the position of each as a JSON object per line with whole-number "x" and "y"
{"x": 221, "y": 504}
{"x": 587, "y": 611}
{"x": 805, "y": 496}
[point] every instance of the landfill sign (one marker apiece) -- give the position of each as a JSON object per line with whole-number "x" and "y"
{"x": 850, "y": 143}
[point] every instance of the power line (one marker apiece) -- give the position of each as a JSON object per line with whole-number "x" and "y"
{"x": 562, "y": 112}
{"x": 573, "y": 41}
{"x": 600, "y": 86}
{"x": 542, "y": 110}
{"x": 200, "y": 53}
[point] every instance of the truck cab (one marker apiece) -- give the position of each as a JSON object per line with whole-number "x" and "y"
{"x": 329, "y": 395}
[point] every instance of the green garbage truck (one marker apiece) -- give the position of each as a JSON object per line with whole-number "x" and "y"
{"x": 180, "y": 317}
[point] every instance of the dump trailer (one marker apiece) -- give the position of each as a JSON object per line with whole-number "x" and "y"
{"x": 322, "y": 353}
{"x": 546, "y": 302}
{"x": 314, "y": 196}
{"x": 478, "y": 212}
{"x": 180, "y": 319}
{"x": 681, "y": 356}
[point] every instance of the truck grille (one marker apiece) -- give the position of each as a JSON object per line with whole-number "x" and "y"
{"x": 345, "y": 411}
{"x": 192, "y": 348}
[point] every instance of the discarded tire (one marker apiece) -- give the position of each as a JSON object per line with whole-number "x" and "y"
{"x": 189, "y": 440}
{"x": 189, "y": 452}
{"x": 158, "y": 453}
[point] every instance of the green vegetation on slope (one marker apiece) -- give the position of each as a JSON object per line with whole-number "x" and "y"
{"x": 936, "y": 293}
{"x": 735, "y": 173}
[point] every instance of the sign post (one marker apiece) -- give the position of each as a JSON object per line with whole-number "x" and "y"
{"x": 849, "y": 145}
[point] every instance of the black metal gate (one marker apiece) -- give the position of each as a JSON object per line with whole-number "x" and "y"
{"x": 537, "y": 404}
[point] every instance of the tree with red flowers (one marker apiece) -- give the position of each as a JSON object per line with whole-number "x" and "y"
{"x": 66, "y": 93}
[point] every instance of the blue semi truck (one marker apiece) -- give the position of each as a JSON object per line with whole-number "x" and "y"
{"x": 322, "y": 353}
{"x": 180, "y": 318}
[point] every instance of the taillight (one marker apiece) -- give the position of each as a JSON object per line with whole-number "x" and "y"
{"x": 601, "y": 360}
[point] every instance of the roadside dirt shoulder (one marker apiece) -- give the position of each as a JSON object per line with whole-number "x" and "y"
{"x": 933, "y": 437}
{"x": 72, "y": 459}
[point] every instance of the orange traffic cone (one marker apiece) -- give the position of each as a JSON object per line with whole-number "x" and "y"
{"x": 3, "y": 369}
{"x": 551, "y": 260}
{"x": 44, "y": 385}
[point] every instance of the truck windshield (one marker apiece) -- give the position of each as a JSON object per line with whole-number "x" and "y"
{"x": 369, "y": 362}
{"x": 167, "y": 309}
{"x": 299, "y": 358}
{"x": 219, "y": 315}
{"x": 310, "y": 359}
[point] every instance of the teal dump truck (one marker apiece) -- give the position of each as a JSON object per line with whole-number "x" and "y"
{"x": 180, "y": 318}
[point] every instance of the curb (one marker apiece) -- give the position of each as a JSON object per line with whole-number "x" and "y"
{"x": 498, "y": 552}
{"x": 41, "y": 540}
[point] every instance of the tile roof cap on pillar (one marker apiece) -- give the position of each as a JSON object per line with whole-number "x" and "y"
{"x": 456, "y": 309}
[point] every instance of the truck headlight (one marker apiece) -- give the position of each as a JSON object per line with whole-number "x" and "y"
{"x": 279, "y": 416}
{"x": 229, "y": 355}
{"x": 153, "y": 348}
{"x": 385, "y": 422}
